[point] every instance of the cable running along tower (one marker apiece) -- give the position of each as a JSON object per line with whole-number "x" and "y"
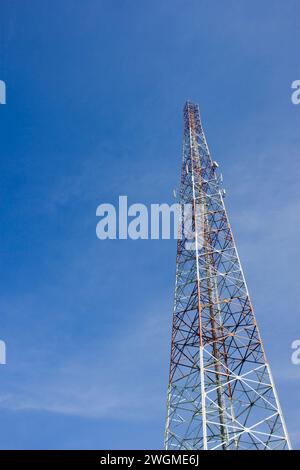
{"x": 221, "y": 394}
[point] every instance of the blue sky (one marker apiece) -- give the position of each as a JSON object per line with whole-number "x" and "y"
{"x": 95, "y": 92}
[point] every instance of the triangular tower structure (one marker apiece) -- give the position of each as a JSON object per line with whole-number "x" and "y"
{"x": 221, "y": 392}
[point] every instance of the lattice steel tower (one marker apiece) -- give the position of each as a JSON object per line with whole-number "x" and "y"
{"x": 221, "y": 394}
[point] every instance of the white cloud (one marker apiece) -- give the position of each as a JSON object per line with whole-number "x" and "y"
{"x": 122, "y": 378}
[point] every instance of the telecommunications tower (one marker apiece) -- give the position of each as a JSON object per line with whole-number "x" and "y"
{"x": 221, "y": 394}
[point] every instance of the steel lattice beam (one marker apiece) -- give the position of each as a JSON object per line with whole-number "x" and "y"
{"x": 221, "y": 394}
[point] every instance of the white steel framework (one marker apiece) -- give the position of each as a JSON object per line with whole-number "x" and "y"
{"x": 221, "y": 394}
